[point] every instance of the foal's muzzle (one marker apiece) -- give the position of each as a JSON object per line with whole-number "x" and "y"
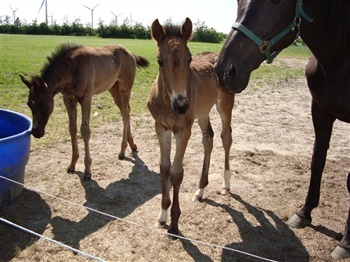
{"x": 38, "y": 132}
{"x": 180, "y": 105}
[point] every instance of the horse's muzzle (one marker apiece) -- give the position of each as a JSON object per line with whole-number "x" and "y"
{"x": 38, "y": 133}
{"x": 228, "y": 79}
{"x": 180, "y": 105}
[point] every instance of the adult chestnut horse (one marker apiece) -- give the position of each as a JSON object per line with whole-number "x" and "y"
{"x": 185, "y": 89}
{"x": 80, "y": 72}
{"x": 262, "y": 29}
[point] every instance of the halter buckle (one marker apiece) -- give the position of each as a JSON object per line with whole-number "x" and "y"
{"x": 264, "y": 46}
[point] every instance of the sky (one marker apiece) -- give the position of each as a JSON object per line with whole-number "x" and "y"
{"x": 217, "y": 14}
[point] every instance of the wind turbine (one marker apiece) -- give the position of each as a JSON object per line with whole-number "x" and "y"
{"x": 92, "y": 14}
{"x": 44, "y": 1}
{"x": 14, "y": 14}
{"x": 51, "y": 17}
{"x": 116, "y": 18}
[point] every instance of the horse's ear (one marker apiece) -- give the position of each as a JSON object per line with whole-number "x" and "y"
{"x": 41, "y": 83}
{"x": 25, "y": 81}
{"x": 186, "y": 29}
{"x": 157, "y": 31}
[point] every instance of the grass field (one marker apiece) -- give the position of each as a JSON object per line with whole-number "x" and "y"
{"x": 26, "y": 54}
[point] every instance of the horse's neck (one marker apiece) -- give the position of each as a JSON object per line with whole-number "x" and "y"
{"x": 316, "y": 34}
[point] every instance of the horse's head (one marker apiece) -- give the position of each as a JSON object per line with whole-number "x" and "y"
{"x": 174, "y": 60}
{"x": 261, "y": 30}
{"x": 40, "y": 102}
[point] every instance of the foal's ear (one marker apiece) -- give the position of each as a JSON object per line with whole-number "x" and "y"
{"x": 25, "y": 81}
{"x": 186, "y": 29}
{"x": 157, "y": 31}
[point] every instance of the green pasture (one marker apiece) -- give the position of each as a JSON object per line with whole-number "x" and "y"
{"x": 26, "y": 54}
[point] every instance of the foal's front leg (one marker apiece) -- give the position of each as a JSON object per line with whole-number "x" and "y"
{"x": 71, "y": 106}
{"x": 164, "y": 139}
{"x": 182, "y": 135}
{"x": 224, "y": 106}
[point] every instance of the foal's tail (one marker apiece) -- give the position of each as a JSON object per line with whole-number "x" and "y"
{"x": 141, "y": 61}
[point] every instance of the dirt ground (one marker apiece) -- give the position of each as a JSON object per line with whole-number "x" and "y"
{"x": 270, "y": 159}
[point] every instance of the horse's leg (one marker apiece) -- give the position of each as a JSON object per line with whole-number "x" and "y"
{"x": 164, "y": 139}
{"x": 323, "y": 125}
{"x": 71, "y": 106}
{"x": 85, "y": 103}
{"x": 225, "y": 106}
{"x": 343, "y": 249}
{"x": 207, "y": 141}
{"x": 182, "y": 135}
{"x": 121, "y": 98}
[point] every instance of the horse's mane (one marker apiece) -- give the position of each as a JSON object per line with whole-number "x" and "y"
{"x": 338, "y": 31}
{"x": 56, "y": 54}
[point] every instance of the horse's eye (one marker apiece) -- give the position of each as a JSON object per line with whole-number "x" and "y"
{"x": 160, "y": 62}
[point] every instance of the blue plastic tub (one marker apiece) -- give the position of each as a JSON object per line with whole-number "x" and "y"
{"x": 15, "y": 132}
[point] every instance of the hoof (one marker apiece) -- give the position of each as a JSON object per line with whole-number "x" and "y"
{"x": 121, "y": 156}
{"x": 87, "y": 177}
{"x": 70, "y": 170}
{"x": 161, "y": 224}
{"x": 340, "y": 253}
{"x": 134, "y": 150}
{"x": 298, "y": 222}
{"x": 225, "y": 191}
{"x": 196, "y": 198}
{"x": 198, "y": 195}
{"x": 173, "y": 235}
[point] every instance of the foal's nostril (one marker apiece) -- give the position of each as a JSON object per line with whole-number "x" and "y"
{"x": 180, "y": 105}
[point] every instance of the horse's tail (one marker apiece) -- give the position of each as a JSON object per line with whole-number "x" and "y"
{"x": 141, "y": 61}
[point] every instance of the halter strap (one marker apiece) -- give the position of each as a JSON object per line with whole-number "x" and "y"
{"x": 264, "y": 46}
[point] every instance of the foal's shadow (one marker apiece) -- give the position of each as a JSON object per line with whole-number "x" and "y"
{"x": 268, "y": 235}
{"x": 29, "y": 211}
{"x": 119, "y": 199}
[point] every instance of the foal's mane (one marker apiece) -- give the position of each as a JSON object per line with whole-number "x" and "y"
{"x": 338, "y": 27}
{"x": 171, "y": 30}
{"x": 56, "y": 54}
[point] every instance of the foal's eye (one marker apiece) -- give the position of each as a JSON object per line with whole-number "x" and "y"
{"x": 160, "y": 62}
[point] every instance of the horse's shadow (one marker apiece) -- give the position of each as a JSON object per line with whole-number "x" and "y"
{"x": 29, "y": 211}
{"x": 118, "y": 199}
{"x": 268, "y": 235}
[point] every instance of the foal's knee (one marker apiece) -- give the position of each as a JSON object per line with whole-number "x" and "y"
{"x": 85, "y": 131}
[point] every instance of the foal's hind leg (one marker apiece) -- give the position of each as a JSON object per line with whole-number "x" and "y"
{"x": 121, "y": 97}
{"x": 224, "y": 106}
{"x": 207, "y": 141}
{"x": 85, "y": 103}
{"x": 71, "y": 106}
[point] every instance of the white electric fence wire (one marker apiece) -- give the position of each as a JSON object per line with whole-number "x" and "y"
{"x": 135, "y": 224}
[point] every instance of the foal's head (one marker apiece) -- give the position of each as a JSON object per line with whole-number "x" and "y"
{"x": 40, "y": 102}
{"x": 174, "y": 60}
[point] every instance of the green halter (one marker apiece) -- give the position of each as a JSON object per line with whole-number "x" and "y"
{"x": 264, "y": 46}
